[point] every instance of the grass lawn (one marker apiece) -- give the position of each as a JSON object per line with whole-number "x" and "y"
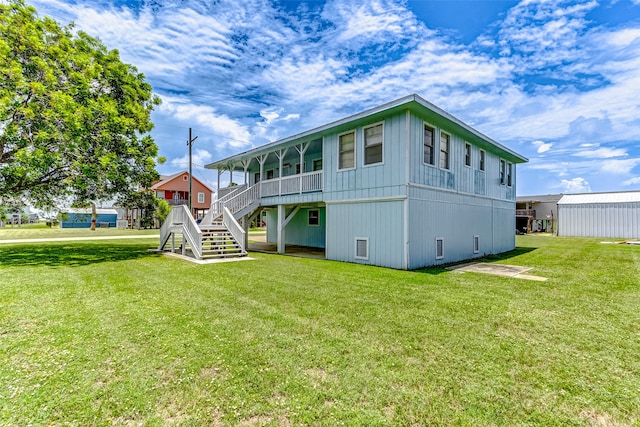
{"x": 106, "y": 333}
{"x": 41, "y": 231}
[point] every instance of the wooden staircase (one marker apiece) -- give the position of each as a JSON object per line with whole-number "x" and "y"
{"x": 219, "y": 239}
{"x": 218, "y": 242}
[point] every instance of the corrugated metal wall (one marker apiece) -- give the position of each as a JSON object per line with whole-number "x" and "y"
{"x": 608, "y": 220}
{"x": 382, "y": 223}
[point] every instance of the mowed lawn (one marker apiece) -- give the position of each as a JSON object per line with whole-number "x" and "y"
{"x": 106, "y": 333}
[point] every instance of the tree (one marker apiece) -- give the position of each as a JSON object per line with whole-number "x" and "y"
{"x": 74, "y": 119}
{"x": 163, "y": 208}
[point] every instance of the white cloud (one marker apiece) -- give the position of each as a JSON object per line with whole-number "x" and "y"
{"x": 602, "y": 153}
{"x": 619, "y": 167}
{"x": 575, "y": 185}
{"x": 199, "y": 156}
{"x": 542, "y": 147}
{"x": 633, "y": 181}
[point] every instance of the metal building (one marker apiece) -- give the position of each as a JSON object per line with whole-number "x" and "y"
{"x": 608, "y": 215}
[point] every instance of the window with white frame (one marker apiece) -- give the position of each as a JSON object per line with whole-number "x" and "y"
{"x": 317, "y": 165}
{"x": 509, "y": 174}
{"x": 362, "y": 248}
{"x": 439, "y": 247}
{"x": 476, "y": 244}
{"x": 270, "y": 173}
{"x": 503, "y": 171}
{"x": 200, "y": 197}
{"x": 373, "y": 136}
{"x": 347, "y": 150}
{"x": 444, "y": 150}
{"x": 429, "y": 144}
{"x": 481, "y": 166}
{"x": 467, "y": 154}
{"x": 314, "y": 217}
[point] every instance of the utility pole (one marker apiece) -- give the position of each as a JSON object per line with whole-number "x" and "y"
{"x": 190, "y": 144}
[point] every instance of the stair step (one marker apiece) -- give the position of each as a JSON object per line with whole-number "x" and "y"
{"x": 219, "y": 256}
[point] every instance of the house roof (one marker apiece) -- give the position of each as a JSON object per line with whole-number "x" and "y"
{"x": 411, "y": 102}
{"x": 594, "y": 198}
{"x": 546, "y": 198}
{"x": 165, "y": 179}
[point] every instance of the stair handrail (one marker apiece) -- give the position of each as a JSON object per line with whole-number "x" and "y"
{"x": 234, "y": 228}
{"x": 216, "y": 206}
{"x": 181, "y": 217}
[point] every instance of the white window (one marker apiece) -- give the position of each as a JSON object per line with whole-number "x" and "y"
{"x": 503, "y": 172}
{"x": 347, "y": 150}
{"x": 429, "y": 144}
{"x": 439, "y": 247}
{"x": 314, "y": 217}
{"x": 509, "y": 174}
{"x": 482, "y": 160}
{"x": 467, "y": 154}
{"x": 317, "y": 165}
{"x": 444, "y": 150}
{"x": 373, "y": 137}
{"x": 362, "y": 248}
{"x": 200, "y": 197}
{"x": 476, "y": 244}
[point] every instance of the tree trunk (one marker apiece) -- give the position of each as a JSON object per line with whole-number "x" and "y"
{"x": 94, "y": 216}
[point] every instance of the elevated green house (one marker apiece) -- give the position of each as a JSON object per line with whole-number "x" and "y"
{"x": 403, "y": 185}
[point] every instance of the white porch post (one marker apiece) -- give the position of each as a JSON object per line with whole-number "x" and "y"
{"x": 218, "y": 189}
{"x": 281, "y": 224}
{"x": 262, "y": 159}
{"x": 280, "y": 154}
{"x": 302, "y": 149}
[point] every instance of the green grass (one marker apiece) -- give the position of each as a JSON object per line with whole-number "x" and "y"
{"x": 106, "y": 333}
{"x": 41, "y": 231}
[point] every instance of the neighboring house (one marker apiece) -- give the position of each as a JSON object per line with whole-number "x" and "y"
{"x": 81, "y": 218}
{"x": 537, "y": 213}
{"x": 175, "y": 190}
{"x": 403, "y": 185}
{"x": 607, "y": 215}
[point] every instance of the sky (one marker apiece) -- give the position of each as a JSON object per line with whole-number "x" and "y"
{"x": 556, "y": 81}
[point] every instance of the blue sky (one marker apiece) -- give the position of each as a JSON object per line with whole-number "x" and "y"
{"x": 557, "y": 81}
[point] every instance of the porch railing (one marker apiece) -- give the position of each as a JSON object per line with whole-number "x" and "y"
{"x": 293, "y": 184}
{"x": 526, "y": 212}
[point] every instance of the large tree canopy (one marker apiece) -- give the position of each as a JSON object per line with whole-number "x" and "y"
{"x": 74, "y": 119}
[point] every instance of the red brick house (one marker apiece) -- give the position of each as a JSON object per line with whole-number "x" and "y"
{"x": 175, "y": 190}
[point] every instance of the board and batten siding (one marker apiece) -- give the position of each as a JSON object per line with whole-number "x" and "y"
{"x": 456, "y": 218}
{"x": 379, "y": 222}
{"x": 298, "y": 231}
{"x": 358, "y": 182}
{"x": 459, "y": 177}
{"x": 605, "y": 220}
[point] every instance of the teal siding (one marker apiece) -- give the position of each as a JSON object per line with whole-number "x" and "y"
{"x": 298, "y": 231}
{"x": 382, "y": 223}
{"x": 457, "y": 218}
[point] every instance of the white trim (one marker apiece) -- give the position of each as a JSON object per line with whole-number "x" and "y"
{"x": 440, "y": 239}
{"x": 466, "y": 144}
{"x": 355, "y": 254}
{"x": 308, "y": 217}
{"x": 364, "y": 146}
{"x": 502, "y": 173}
{"x": 355, "y": 144}
{"x": 476, "y": 244}
{"x": 464, "y": 193}
{"x": 448, "y": 166}
{"x": 203, "y": 199}
{"x": 433, "y": 147}
{"x": 370, "y": 200}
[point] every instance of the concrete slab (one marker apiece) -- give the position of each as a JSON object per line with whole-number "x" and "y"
{"x": 206, "y": 261}
{"x": 292, "y": 250}
{"x": 515, "y": 271}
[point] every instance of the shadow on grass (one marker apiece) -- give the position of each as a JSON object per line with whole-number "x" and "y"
{"x": 70, "y": 254}
{"x": 489, "y": 258}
